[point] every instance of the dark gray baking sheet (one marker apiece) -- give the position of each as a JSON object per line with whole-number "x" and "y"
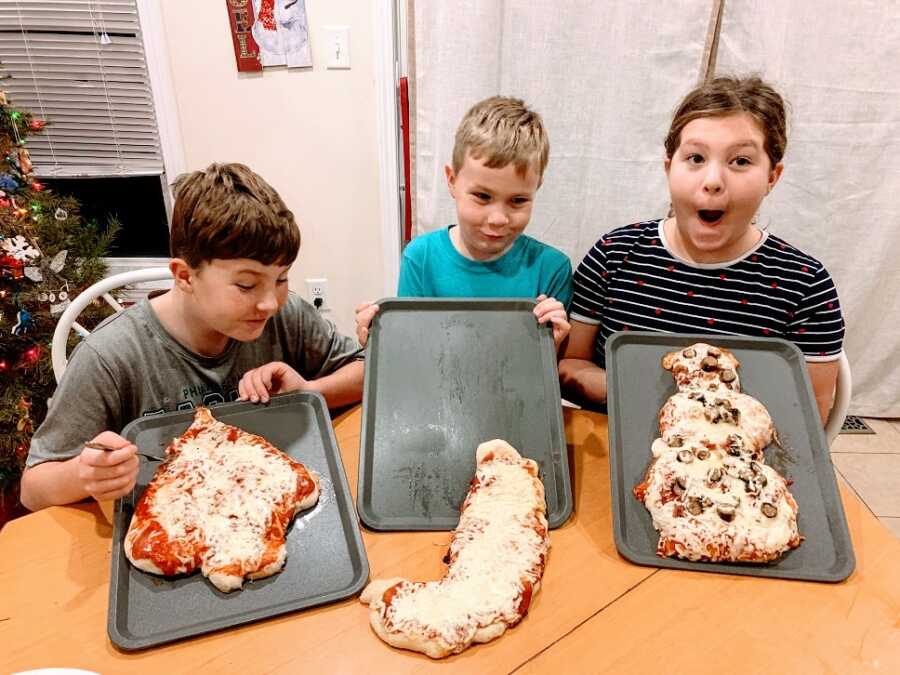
{"x": 326, "y": 560}
{"x": 772, "y": 371}
{"x": 442, "y": 376}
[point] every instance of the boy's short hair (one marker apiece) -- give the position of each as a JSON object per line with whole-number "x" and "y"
{"x": 227, "y": 211}
{"x": 723, "y": 96}
{"x": 501, "y": 130}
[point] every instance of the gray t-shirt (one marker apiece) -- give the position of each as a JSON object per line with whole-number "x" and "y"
{"x": 131, "y": 367}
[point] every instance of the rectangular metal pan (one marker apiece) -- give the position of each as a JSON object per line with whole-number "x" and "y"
{"x": 326, "y": 560}
{"x": 772, "y": 371}
{"x": 442, "y": 376}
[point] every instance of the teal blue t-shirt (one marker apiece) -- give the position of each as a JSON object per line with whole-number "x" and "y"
{"x": 432, "y": 267}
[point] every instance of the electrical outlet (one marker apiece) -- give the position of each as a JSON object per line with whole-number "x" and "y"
{"x": 317, "y": 289}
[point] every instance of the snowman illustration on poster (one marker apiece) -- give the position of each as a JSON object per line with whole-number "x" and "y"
{"x": 281, "y": 32}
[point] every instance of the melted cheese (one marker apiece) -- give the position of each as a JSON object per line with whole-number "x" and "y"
{"x": 701, "y": 415}
{"x": 687, "y": 417}
{"x": 218, "y": 493}
{"x": 500, "y": 540}
{"x": 750, "y": 530}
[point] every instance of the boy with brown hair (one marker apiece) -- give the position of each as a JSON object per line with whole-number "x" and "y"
{"x": 499, "y": 156}
{"x": 233, "y": 241}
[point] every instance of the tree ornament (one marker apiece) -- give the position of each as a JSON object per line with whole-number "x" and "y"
{"x": 8, "y": 183}
{"x": 19, "y": 248}
{"x": 23, "y": 323}
{"x": 25, "y": 161}
{"x": 47, "y": 270}
{"x": 11, "y": 267}
{"x": 61, "y": 214}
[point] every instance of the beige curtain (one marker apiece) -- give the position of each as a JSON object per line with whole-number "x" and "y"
{"x": 606, "y": 77}
{"x": 839, "y": 197}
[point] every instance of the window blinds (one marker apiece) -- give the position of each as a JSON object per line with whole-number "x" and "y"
{"x": 79, "y": 65}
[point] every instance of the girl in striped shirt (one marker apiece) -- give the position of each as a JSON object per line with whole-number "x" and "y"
{"x": 708, "y": 268}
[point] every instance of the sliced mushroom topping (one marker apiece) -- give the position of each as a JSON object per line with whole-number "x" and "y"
{"x": 745, "y": 475}
{"x": 726, "y": 512}
{"x": 689, "y": 353}
{"x": 761, "y": 480}
{"x": 707, "y": 502}
{"x": 735, "y": 445}
{"x": 675, "y": 441}
{"x": 685, "y": 456}
{"x": 702, "y": 453}
{"x": 728, "y": 376}
{"x": 714, "y": 475}
{"x": 712, "y": 351}
{"x": 769, "y": 510}
{"x": 697, "y": 396}
{"x": 755, "y": 468}
{"x": 694, "y": 506}
{"x": 709, "y": 363}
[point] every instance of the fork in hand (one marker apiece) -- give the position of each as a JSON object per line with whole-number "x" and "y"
{"x": 100, "y": 446}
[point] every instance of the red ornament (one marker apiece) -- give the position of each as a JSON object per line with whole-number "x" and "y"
{"x": 805, "y": 268}
{"x": 671, "y": 268}
{"x": 640, "y": 282}
{"x": 690, "y": 294}
{"x": 744, "y": 301}
{"x": 36, "y": 186}
{"x": 722, "y": 277}
{"x": 766, "y": 331}
{"x": 774, "y": 284}
{"x": 658, "y": 311}
{"x": 11, "y": 267}
{"x": 710, "y": 321}
{"x": 36, "y": 124}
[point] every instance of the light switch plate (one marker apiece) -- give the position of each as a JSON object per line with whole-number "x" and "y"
{"x": 337, "y": 42}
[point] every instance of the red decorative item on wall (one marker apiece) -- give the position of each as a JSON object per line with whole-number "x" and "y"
{"x": 246, "y": 52}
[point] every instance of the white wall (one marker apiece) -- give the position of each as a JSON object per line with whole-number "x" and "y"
{"x": 309, "y": 132}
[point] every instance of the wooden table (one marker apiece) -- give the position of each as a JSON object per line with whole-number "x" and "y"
{"x": 595, "y": 613}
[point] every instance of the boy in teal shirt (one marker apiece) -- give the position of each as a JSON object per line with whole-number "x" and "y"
{"x": 499, "y": 157}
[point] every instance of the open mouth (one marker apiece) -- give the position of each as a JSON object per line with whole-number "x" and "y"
{"x": 710, "y": 215}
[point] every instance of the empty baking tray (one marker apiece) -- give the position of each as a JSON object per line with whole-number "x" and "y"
{"x": 774, "y": 372}
{"x": 326, "y": 560}
{"x": 442, "y": 376}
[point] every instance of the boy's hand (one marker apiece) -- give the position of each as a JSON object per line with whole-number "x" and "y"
{"x": 364, "y": 315}
{"x": 108, "y": 474}
{"x": 259, "y": 384}
{"x": 552, "y": 310}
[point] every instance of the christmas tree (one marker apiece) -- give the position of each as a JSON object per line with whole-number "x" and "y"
{"x": 48, "y": 254}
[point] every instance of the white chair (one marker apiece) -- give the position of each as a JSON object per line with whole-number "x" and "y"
{"x": 100, "y": 289}
{"x": 842, "y": 393}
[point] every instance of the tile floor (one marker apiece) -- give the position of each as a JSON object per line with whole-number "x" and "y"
{"x": 870, "y": 463}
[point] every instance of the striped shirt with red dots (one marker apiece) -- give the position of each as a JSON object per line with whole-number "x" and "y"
{"x": 629, "y": 280}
